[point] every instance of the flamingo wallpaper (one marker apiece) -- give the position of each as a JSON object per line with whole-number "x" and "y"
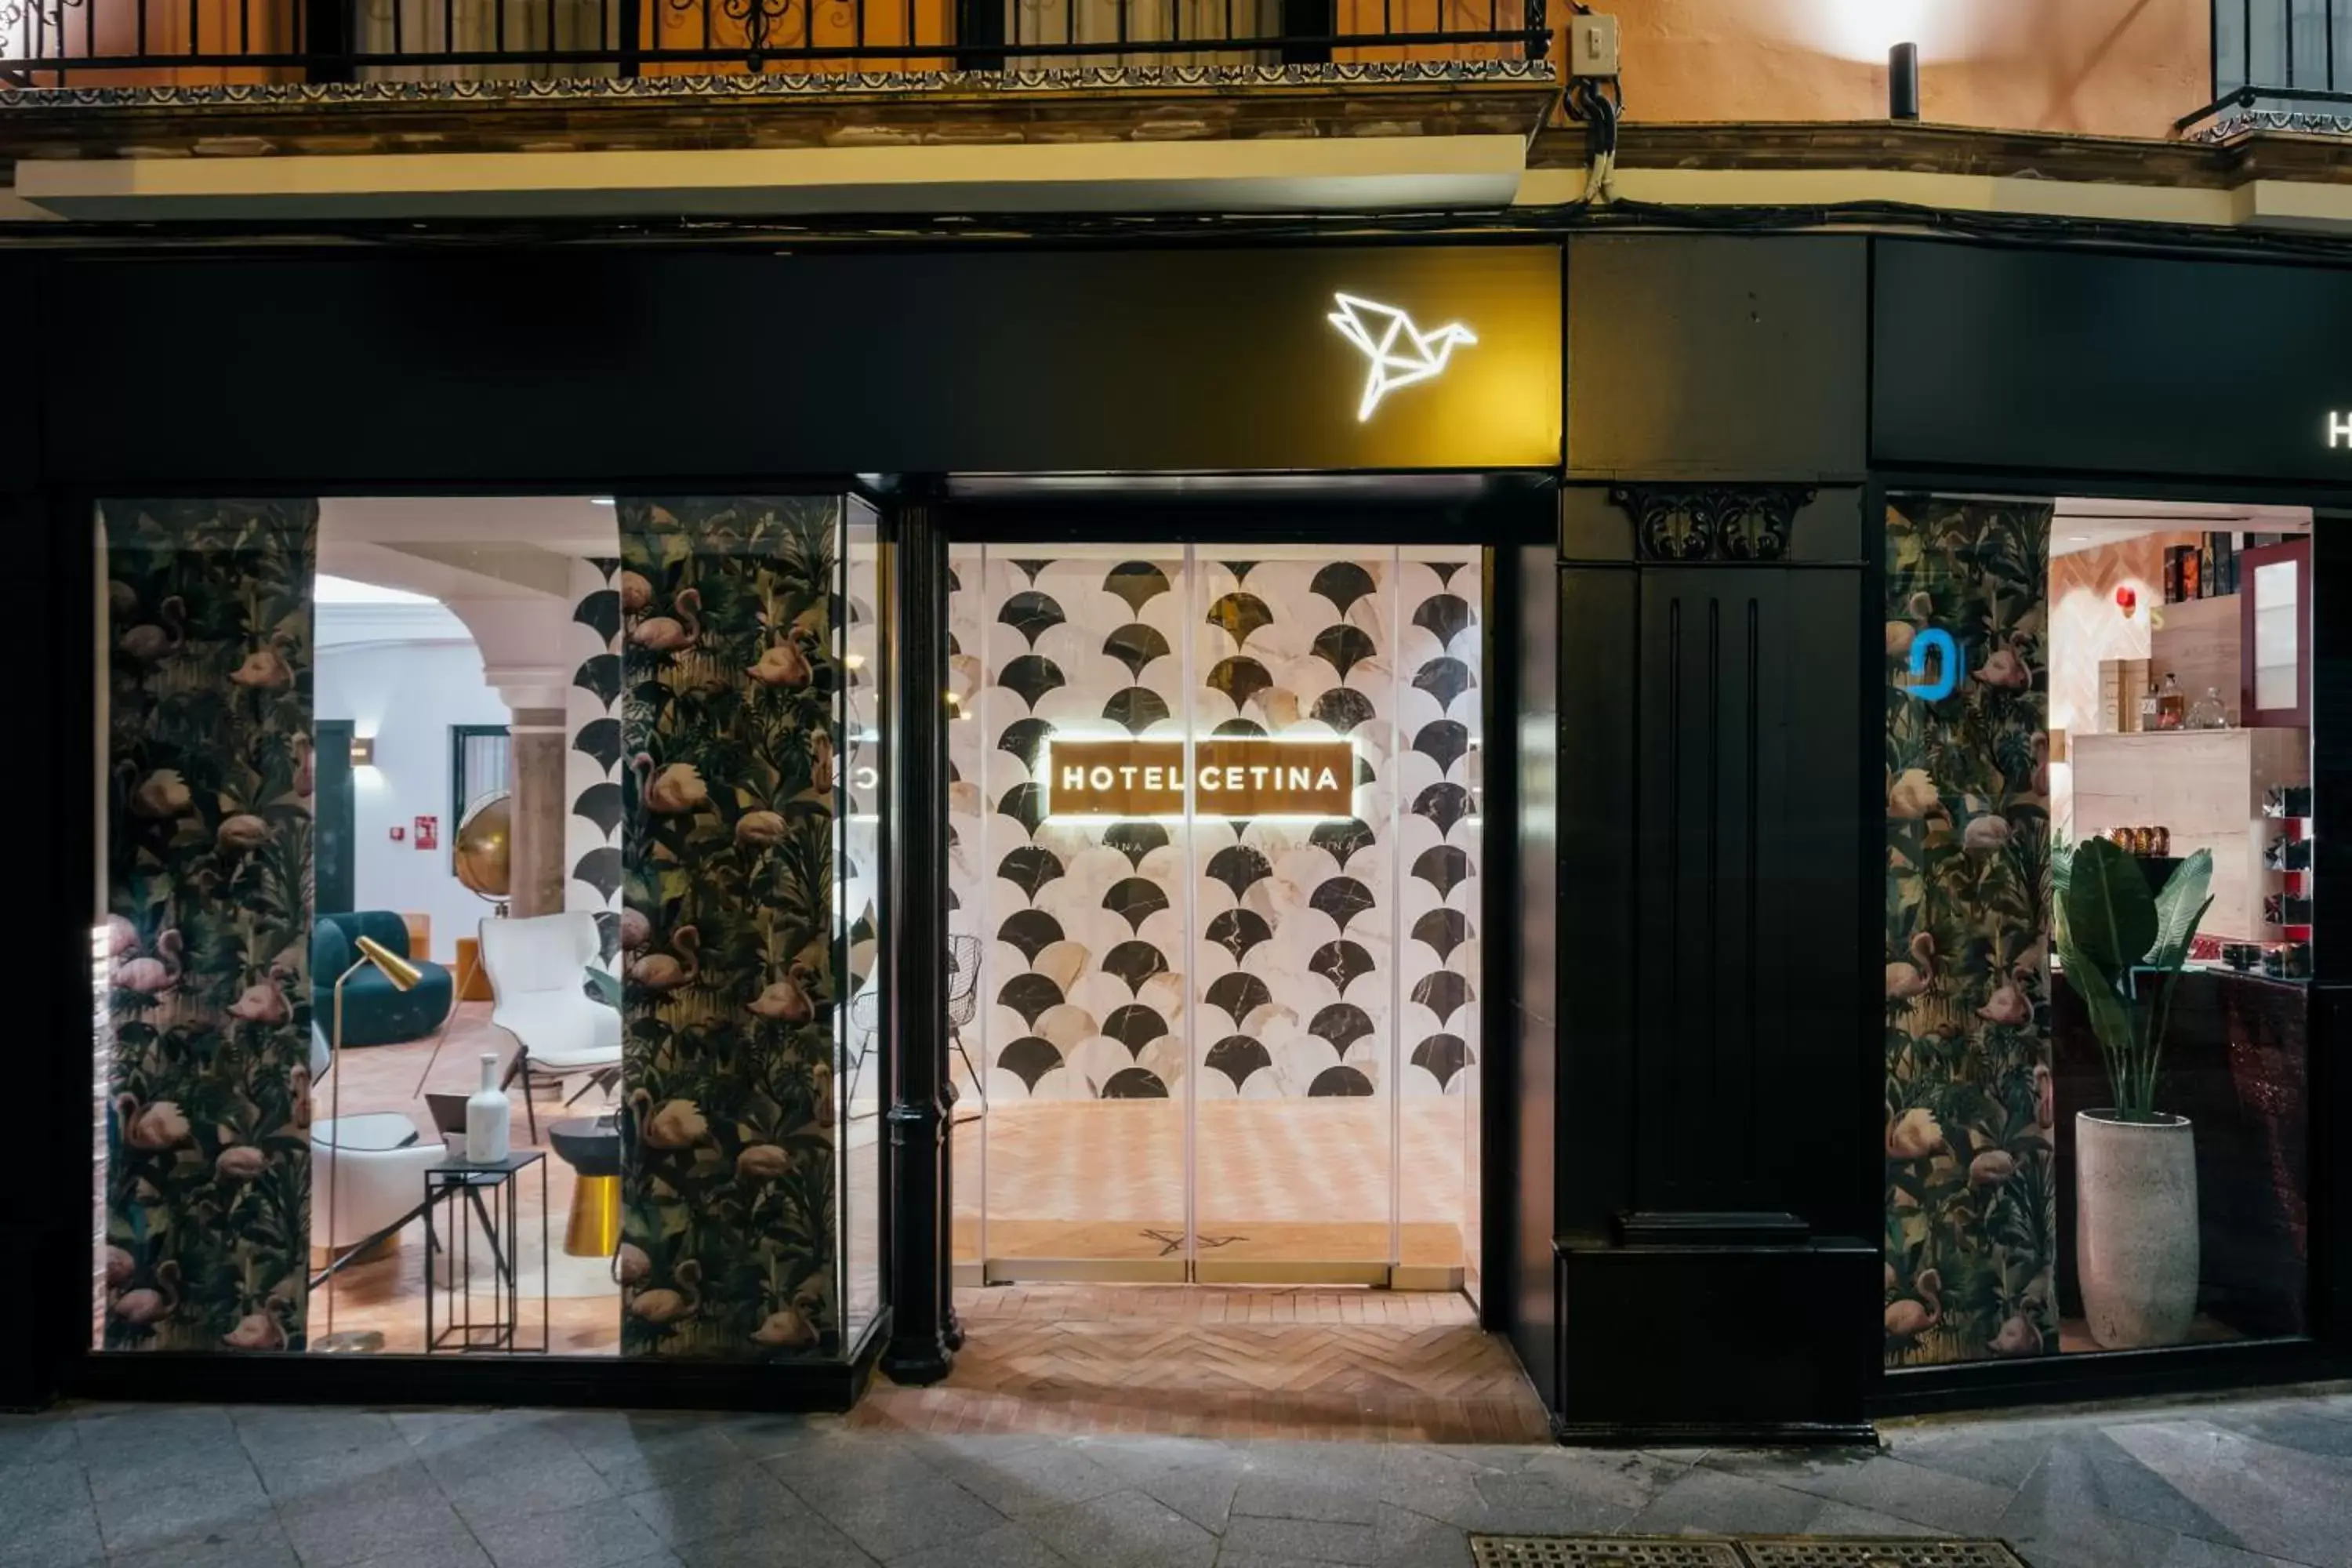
{"x": 207, "y": 991}
{"x": 1971, "y": 1199}
{"x": 730, "y": 685}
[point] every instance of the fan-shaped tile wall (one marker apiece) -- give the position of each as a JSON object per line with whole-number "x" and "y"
{"x": 1297, "y": 968}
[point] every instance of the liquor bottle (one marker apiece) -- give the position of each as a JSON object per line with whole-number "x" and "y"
{"x": 2192, "y": 585}
{"x": 2171, "y": 704}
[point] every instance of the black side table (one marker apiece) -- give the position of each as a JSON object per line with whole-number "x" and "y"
{"x": 461, "y": 1199}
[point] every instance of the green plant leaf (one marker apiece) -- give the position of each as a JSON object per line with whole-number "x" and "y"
{"x": 2180, "y": 905}
{"x": 2111, "y": 1019}
{"x": 2160, "y": 1017}
{"x": 2109, "y": 916}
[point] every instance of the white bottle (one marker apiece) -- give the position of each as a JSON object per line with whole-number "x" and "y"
{"x": 487, "y": 1116}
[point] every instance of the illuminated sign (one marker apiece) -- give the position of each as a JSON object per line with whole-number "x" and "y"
{"x": 1229, "y": 775}
{"x": 1934, "y": 687}
{"x": 1400, "y": 352}
{"x": 2339, "y": 430}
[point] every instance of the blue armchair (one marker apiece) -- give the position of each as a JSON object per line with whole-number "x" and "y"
{"x": 375, "y": 1012}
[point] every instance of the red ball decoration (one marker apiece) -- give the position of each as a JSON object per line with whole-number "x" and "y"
{"x": 2126, "y": 600}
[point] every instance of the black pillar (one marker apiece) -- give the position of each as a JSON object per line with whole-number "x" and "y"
{"x": 327, "y": 39}
{"x": 923, "y": 1334}
{"x": 1312, "y": 23}
{"x": 979, "y": 24}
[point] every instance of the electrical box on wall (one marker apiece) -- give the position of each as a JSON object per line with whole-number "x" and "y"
{"x": 1591, "y": 45}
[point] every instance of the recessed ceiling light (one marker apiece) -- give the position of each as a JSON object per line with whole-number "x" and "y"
{"x": 600, "y": 500}
{"x": 2078, "y": 539}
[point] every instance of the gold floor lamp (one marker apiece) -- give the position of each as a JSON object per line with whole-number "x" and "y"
{"x": 403, "y": 976}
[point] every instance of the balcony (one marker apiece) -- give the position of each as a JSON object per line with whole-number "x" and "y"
{"x": 263, "y": 109}
{"x": 460, "y": 48}
{"x": 2278, "y": 65}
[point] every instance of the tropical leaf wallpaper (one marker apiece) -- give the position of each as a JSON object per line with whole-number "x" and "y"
{"x": 206, "y": 990}
{"x": 1971, "y": 1200}
{"x": 731, "y": 698}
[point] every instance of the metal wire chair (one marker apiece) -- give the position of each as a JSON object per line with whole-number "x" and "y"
{"x": 964, "y": 1007}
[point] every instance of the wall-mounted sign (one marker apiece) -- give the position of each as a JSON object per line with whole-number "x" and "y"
{"x": 1400, "y": 352}
{"x": 1230, "y": 775}
{"x": 429, "y": 833}
{"x": 2339, "y": 430}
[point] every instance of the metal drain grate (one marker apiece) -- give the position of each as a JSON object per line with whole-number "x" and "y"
{"x": 1604, "y": 1551}
{"x": 1747, "y": 1551}
{"x": 1854, "y": 1551}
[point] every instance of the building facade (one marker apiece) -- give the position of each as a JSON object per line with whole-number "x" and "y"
{"x": 1145, "y": 645}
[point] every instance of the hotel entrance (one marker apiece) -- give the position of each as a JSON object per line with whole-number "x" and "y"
{"x": 1215, "y": 839}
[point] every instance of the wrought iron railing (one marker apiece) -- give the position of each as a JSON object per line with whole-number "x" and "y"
{"x": 2278, "y": 65}
{"x": 80, "y": 43}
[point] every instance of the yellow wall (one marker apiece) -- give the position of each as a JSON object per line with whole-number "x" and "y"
{"x": 219, "y": 27}
{"x": 888, "y": 24}
{"x": 2120, "y": 68}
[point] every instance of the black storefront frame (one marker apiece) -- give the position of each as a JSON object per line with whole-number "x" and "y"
{"x": 60, "y": 523}
{"x": 2062, "y": 372}
{"x": 1499, "y": 508}
{"x": 426, "y": 393}
{"x": 1752, "y": 372}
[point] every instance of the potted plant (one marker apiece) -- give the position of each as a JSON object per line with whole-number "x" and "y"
{"x": 2135, "y": 1250}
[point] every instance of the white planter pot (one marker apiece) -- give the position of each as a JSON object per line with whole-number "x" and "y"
{"x": 2135, "y": 1227}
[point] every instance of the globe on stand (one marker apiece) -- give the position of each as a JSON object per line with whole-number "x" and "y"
{"x": 485, "y": 841}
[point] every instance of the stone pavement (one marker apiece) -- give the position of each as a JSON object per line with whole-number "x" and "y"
{"x": 2229, "y": 1483}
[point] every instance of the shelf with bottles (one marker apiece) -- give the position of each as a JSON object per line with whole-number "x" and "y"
{"x": 2287, "y": 856}
{"x": 2168, "y": 709}
{"x": 2207, "y": 569}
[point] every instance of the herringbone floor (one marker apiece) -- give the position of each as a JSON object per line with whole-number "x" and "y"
{"x": 1193, "y": 1361}
{"x": 1280, "y": 1181}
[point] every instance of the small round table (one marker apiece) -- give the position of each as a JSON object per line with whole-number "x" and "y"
{"x": 591, "y": 1145}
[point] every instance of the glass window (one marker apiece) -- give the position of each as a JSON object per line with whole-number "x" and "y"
{"x": 554, "y": 1070}
{"x": 1216, "y": 843}
{"x": 2097, "y": 928}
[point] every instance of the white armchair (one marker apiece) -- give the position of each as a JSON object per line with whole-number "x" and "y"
{"x": 366, "y": 1173}
{"x": 538, "y": 969}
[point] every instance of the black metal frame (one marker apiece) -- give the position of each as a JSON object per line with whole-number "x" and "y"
{"x": 2326, "y": 1351}
{"x": 752, "y": 35}
{"x": 445, "y": 1186}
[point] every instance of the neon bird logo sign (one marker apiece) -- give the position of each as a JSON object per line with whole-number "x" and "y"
{"x": 1400, "y": 352}
{"x": 1937, "y": 687}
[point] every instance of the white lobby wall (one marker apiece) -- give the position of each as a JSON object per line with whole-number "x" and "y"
{"x": 405, "y": 694}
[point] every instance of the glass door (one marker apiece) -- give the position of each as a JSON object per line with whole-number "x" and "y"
{"x": 1213, "y": 830}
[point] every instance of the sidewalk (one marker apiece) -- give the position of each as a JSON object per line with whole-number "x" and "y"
{"x": 2224, "y": 1484}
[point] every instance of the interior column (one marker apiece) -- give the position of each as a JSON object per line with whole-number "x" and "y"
{"x": 536, "y": 810}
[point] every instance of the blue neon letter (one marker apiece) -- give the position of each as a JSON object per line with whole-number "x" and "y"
{"x": 1948, "y": 667}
